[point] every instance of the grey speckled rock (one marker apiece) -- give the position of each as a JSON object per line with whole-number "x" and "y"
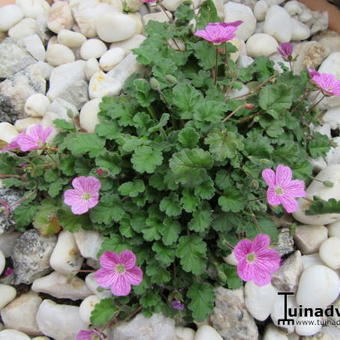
{"x": 10, "y": 196}
{"x": 13, "y": 58}
{"x": 231, "y": 318}
{"x": 15, "y": 90}
{"x": 31, "y": 256}
{"x": 158, "y": 327}
{"x": 285, "y": 243}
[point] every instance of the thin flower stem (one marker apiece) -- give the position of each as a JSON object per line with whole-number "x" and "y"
{"x": 216, "y": 66}
{"x": 152, "y": 112}
{"x": 225, "y": 59}
{"x": 308, "y": 199}
{"x": 10, "y": 176}
{"x": 228, "y": 245}
{"x": 257, "y": 199}
{"x": 24, "y": 198}
{"x": 232, "y": 113}
{"x": 315, "y": 104}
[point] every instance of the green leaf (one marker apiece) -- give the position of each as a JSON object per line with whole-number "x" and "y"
{"x": 67, "y": 165}
{"x": 83, "y": 143}
{"x": 170, "y": 231}
{"x": 171, "y": 205}
{"x": 72, "y": 222}
{"x": 207, "y": 13}
{"x": 24, "y": 213}
{"x": 205, "y": 52}
{"x": 108, "y": 210}
{"x": 319, "y": 206}
{"x": 64, "y": 125}
{"x": 209, "y": 110}
{"x": 46, "y": 219}
{"x": 103, "y": 312}
{"x": 189, "y": 201}
{"x": 157, "y": 274}
{"x": 188, "y": 137}
{"x": 132, "y": 189}
{"x": 143, "y": 92}
{"x": 109, "y": 161}
{"x": 233, "y": 280}
{"x": 189, "y": 166}
{"x": 319, "y": 145}
{"x": 201, "y": 300}
{"x": 146, "y": 159}
{"x": 224, "y": 144}
{"x": 192, "y": 253}
{"x": 206, "y": 189}
{"x": 185, "y": 97}
{"x": 232, "y": 200}
{"x": 164, "y": 254}
{"x": 108, "y": 129}
{"x": 201, "y": 220}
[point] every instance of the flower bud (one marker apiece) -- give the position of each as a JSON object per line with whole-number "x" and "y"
{"x": 154, "y": 83}
{"x": 254, "y": 184}
{"x": 328, "y": 184}
{"x": 249, "y": 106}
{"x": 171, "y": 79}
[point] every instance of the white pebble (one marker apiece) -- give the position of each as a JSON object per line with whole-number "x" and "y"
{"x": 92, "y": 48}
{"x": 330, "y": 252}
{"x": 89, "y": 241}
{"x": 13, "y": 334}
{"x": 300, "y": 31}
{"x": 45, "y": 69}
{"x": 65, "y": 257}
{"x": 22, "y": 124}
{"x": 293, "y": 7}
{"x": 60, "y": 17}
{"x": 71, "y": 39}
{"x": 129, "y": 44}
{"x": 308, "y": 326}
{"x": 9, "y": 16}
{"x": 111, "y": 58}
{"x": 184, "y": 333}
{"x": 91, "y": 67}
{"x": 2, "y": 262}
{"x": 36, "y": 9}
{"x": 25, "y": 27}
{"x": 318, "y": 287}
{"x": 334, "y": 229}
{"x": 102, "y": 85}
{"x": 34, "y": 46}
{"x": 58, "y": 54}
{"x": 89, "y": 115}
{"x": 36, "y": 105}
{"x": 274, "y": 333}
{"x": 87, "y": 306}
{"x": 311, "y": 260}
{"x": 157, "y": 16}
{"x": 7, "y": 132}
{"x": 278, "y": 24}
{"x": 206, "y": 332}
{"x": 261, "y": 44}
{"x": 113, "y": 27}
{"x": 7, "y": 294}
{"x": 260, "y": 10}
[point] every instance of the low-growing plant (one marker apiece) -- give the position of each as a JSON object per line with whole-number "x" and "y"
{"x": 179, "y": 156}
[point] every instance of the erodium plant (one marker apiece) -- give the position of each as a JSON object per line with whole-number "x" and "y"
{"x": 177, "y": 160}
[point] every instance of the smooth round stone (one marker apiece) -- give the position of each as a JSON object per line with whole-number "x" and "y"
{"x": 111, "y": 58}
{"x": 261, "y": 44}
{"x": 330, "y": 252}
{"x": 234, "y": 11}
{"x": 34, "y": 8}
{"x": 129, "y": 44}
{"x": 92, "y": 48}
{"x": 135, "y": 5}
{"x": 25, "y": 27}
{"x": 318, "y": 287}
{"x": 2, "y": 262}
{"x": 278, "y": 24}
{"x": 113, "y": 27}
{"x": 184, "y": 333}
{"x": 102, "y": 85}
{"x": 259, "y": 300}
{"x": 89, "y": 115}
{"x": 60, "y": 17}
{"x": 9, "y": 16}
{"x": 331, "y": 65}
{"x": 36, "y": 105}
{"x": 22, "y": 124}
{"x": 274, "y": 333}
{"x": 34, "y": 46}
{"x": 58, "y": 54}
{"x": 87, "y": 306}
{"x": 71, "y": 39}
{"x": 334, "y": 229}
{"x": 91, "y": 67}
{"x": 293, "y": 7}
{"x": 206, "y": 332}
{"x": 311, "y": 260}
{"x": 171, "y": 5}
{"x": 7, "y": 132}
{"x": 41, "y": 338}
{"x": 139, "y": 22}
{"x": 260, "y": 10}
{"x": 12, "y": 334}
{"x": 308, "y": 329}
{"x": 7, "y": 294}
{"x": 300, "y": 31}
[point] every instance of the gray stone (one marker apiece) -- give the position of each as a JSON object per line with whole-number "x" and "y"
{"x": 230, "y": 316}
{"x": 158, "y": 327}
{"x": 287, "y": 277}
{"x": 285, "y": 242}
{"x": 15, "y": 90}
{"x": 9, "y": 196}
{"x": 31, "y": 256}
{"x": 13, "y": 58}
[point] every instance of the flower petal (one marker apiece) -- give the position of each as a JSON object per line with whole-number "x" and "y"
{"x": 109, "y": 260}
{"x": 268, "y": 260}
{"x": 272, "y": 197}
{"x": 121, "y": 286}
{"x": 245, "y": 270}
{"x": 269, "y": 176}
{"x": 283, "y": 175}
{"x": 26, "y": 143}
{"x": 260, "y": 242}
{"x": 295, "y": 188}
{"x": 105, "y": 278}
{"x": 127, "y": 258}
{"x": 262, "y": 278}
{"x": 242, "y": 249}
{"x": 289, "y": 203}
{"x": 134, "y": 276}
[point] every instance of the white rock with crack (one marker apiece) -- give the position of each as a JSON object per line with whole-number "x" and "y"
{"x": 61, "y": 286}
{"x": 66, "y": 258}
{"x": 34, "y": 46}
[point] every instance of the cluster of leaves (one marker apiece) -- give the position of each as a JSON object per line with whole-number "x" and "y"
{"x": 182, "y": 158}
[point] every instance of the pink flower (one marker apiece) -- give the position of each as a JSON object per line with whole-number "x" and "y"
{"x": 101, "y": 172}
{"x": 327, "y": 82}
{"x": 256, "y": 262}
{"x": 282, "y": 189}
{"x": 84, "y": 196}
{"x": 90, "y": 334}
{"x": 286, "y": 50}
{"x": 119, "y": 271}
{"x": 8, "y": 271}
{"x": 12, "y": 145}
{"x": 33, "y": 138}
{"x": 219, "y": 32}
{"x": 178, "y": 305}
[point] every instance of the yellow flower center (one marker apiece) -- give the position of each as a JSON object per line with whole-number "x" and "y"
{"x": 278, "y": 191}
{"x": 251, "y": 258}
{"x": 86, "y": 196}
{"x": 120, "y": 268}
